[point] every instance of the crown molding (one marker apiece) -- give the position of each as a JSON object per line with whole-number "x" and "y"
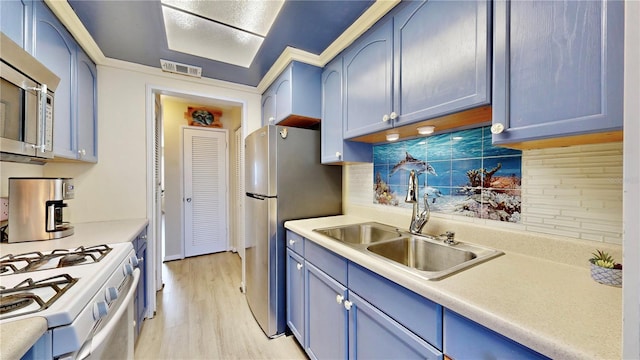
{"x": 63, "y": 11}
{"x": 374, "y": 13}
{"x": 68, "y": 17}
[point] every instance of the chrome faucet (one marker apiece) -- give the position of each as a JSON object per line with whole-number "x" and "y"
{"x": 449, "y": 238}
{"x": 418, "y": 221}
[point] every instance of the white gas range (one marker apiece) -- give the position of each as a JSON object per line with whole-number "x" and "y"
{"x": 85, "y": 294}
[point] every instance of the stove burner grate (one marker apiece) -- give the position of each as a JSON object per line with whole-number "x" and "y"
{"x": 32, "y": 261}
{"x": 21, "y": 296}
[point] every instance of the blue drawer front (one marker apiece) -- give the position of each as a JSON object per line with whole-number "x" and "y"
{"x": 332, "y": 264}
{"x": 418, "y": 314}
{"x": 295, "y": 242}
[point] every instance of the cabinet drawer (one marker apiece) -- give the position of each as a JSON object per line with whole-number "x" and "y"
{"x": 332, "y": 264}
{"x": 295, "y": 242}
{"x": 418, "y": 314}
{"x": 466, "y": 339}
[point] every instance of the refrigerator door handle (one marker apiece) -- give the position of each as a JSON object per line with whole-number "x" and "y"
{"x": 260, "y": 197}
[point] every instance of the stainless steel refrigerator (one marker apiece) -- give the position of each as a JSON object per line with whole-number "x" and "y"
{"x": 284, "y": 180}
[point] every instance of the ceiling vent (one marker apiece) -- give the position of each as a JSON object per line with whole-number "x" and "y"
{"x": 174, "y": 67}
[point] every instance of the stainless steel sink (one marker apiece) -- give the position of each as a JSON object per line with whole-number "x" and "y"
{"x": 421, "y": 254}
{"x": 425, "y": 256}
{"x": 365, "y": 233}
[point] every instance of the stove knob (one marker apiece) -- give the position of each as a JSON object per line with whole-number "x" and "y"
{"x": 128, "y": 269}
{"x": 134, "y": 261}
{"x": 100, "y": 310}
{"x": 111, "y": 293}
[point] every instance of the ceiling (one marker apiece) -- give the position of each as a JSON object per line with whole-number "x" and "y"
{"x": 134, "y": 31}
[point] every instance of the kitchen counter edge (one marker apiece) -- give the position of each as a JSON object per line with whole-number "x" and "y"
{"x": 555, "y": 314}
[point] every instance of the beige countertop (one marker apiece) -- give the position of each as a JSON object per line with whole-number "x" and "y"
{"x": 16, "y": 337}
{"x": 550, "y": 307}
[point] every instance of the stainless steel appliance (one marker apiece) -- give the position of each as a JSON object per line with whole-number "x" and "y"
{"x": 85, "y": 294}
{"x": 36, "y": 208}
{"x": 26, "y": 104}
{"x": 284, "y": 181}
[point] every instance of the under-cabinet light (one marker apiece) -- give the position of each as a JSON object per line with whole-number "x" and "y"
{"x": 393, "y": 137}
{"x": 426, "y": 130}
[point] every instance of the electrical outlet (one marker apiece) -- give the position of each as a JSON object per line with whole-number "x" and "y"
{"x": 4, "y": 209}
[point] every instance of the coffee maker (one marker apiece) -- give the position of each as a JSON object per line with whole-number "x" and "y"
{"x": 36, "y": 208}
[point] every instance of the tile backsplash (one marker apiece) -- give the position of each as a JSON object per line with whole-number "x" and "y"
{"x": 460, "y": 172}
{"x": 573, "y": 192}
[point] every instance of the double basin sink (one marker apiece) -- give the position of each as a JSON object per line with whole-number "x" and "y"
{"x": 425, "y": 256}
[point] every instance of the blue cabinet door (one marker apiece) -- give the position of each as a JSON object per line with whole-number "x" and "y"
{"x": 87, "y": 108}
{"x": 282, "y": 90}
{"x": 14, "y": 21}
{"x": 374, "y": 335}
{"x": 326, "y": 320}
{"x": 465, "y": 339}
{"x": 56, "y": 49}
{"x": 368, "y": 82}
{"x": 441, "y": 63}
{"x": 268, "y": 107}
{"x": 333, "y": 148}
{"x": 141, "y": 298}
{"x": 558, "y": 69}
{"x": 295, "y": 295}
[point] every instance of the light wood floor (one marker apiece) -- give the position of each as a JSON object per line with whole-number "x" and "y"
{"x": 203, "y": 315}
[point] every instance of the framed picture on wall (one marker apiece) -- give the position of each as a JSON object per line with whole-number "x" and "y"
{"x": 203, "y": 116}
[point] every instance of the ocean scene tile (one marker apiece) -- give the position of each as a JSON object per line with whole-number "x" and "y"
{"x": 460, "y": 173}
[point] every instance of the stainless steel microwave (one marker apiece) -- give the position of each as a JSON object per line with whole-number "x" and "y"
{"x": 26, "y": 104}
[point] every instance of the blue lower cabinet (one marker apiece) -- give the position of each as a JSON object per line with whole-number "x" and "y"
{"x": 141, "y": 300}
{"x": 295, "y": 295}
{"x": 466, "y": 339}
{"x": 326, "y": 320}
{"x": 374, "y": 335}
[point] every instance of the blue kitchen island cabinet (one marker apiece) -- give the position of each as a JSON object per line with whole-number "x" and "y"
{"x": 465, "y": 339}
{"x": 294, "y": 97}
{"x": 334, "y": 149}
{"x": 558, "y": 76}
{"x": 75, "y": 113}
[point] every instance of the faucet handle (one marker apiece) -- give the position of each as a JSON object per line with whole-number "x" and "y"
{"x": 450, "y": 237}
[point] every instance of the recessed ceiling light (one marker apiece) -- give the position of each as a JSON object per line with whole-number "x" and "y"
{"x": 426, "y": 130}
{"x": 393, "y": 137}
{"x": 226, "y": 31}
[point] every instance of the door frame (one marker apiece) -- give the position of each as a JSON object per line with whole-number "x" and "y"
{"x": 154, "y": 245}
{"x": 183, "y": 227}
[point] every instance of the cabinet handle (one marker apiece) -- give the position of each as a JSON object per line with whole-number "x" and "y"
{"x": 339, "y": 298}
{"x": 338, "y": 155}
{"x": 82, "y": 152}
{"x": 271, "y": 120}
{"x": 292, "y": 241}
{"x": 393, "y": 116}
{"x": 299, "y": 266}
{"x": 385, "y": 118}
{"x": 497, "y": 128}
{"x": 347, "y": 305}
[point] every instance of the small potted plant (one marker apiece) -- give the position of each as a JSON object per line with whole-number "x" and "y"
{"x": 605, "y": 270}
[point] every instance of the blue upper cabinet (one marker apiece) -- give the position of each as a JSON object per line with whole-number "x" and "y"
{"x": 441, "y": 63}
{"x": 368, "y": 76}
{"x": 558, "y": 76}
{"x": 294, "y": 97}
{"x": 13, "y": 21}
{"x": 335, "y": 150}
{"x": 87, "y": 108}
{"x": 75, "y": 105}
{"x": 56, "y": 49}
{"x": 422, "y": 64}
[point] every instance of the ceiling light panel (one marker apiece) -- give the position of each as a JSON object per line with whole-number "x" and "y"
{"x": 250, "y": 15}
{"x": 197, "y": 36}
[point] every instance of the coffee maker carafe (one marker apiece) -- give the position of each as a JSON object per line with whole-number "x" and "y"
{"x": 36, "y": 208}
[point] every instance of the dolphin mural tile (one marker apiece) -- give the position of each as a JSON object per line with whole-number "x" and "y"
{"x": 439, "y": 147}
{"x": 460, "y": 169}
{"x": 466, "y": 144}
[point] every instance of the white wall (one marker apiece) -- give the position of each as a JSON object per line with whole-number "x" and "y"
{"x": 9, "y": 169}
{"x": 116, "y": 187}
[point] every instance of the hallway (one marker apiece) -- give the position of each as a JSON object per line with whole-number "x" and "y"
{"x": 202, "y": 315}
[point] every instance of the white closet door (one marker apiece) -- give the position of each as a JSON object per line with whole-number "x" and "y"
{"x": 205, "y": 191}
